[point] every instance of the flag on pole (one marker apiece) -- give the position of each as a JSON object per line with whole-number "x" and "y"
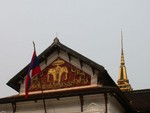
{"x": 34, "y": 69}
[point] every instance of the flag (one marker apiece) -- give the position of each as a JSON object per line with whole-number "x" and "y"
{"x": 34, "y": 69}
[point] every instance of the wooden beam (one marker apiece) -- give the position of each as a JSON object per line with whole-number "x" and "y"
{"x": 81, "y": 102}
{"x": 69, "y": 56}
{"x": 106, "y": 101}
{"x": 14, "y": 107}
{"x": 93, "y": 71}
{"x": 81, "y": 64}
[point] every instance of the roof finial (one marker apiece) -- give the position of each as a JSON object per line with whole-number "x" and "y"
{"x": 56, "y": 40}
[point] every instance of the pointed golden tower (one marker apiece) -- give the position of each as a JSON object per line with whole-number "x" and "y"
{"x": 123, "y": 82}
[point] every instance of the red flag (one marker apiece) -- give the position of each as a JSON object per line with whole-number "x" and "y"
{"x": 33, "y": 70}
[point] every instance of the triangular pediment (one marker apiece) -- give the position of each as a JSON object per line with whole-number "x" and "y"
{"x": 60, "y": 74}
{"x": 71, "y": 61}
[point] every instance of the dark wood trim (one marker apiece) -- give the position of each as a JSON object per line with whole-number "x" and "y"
{"x": 93, "y": 71}
{"x": 81, "y": 102}
{"x": 81, "y": 64}
{"x": 106, "y": 102}
{"x": 69, "y": 56}
{"x": 14, "y": 107}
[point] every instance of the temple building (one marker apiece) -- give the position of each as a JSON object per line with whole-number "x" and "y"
{"x": 72, "y": 83}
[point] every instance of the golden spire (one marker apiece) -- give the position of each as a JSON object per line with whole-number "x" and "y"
{"x": 123, "y": 82}
{"x": 122, "y": 54}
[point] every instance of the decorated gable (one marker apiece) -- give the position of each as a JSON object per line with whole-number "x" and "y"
{"x": 60, "y": 74}
{"x": 62, "y": 68}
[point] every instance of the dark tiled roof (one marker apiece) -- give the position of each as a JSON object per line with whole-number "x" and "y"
{"x": 105, "y": 79}
{"x": 139, "y": 100}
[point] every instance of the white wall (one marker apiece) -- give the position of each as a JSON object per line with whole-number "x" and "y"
{"x": 92, "y": 104}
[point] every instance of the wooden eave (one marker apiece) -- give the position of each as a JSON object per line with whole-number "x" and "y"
{"x": 69, "y": 93}
{"x": 56, "y": 94}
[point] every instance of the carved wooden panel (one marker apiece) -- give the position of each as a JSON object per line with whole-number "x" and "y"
{"x": 60, "y": 74}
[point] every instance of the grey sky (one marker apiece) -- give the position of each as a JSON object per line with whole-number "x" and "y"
{"x": 90, "y": 27}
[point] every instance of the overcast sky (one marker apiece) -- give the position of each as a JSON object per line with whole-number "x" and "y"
{"x": 90, "y": 27}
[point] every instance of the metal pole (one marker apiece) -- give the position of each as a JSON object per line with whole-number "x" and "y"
{"x": 43, "y": 96}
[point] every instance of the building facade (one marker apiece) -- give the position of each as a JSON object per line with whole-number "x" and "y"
{"x": 69, "y": 83}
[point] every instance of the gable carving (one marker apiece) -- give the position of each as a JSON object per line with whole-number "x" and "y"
{"x": 60, "y": 74}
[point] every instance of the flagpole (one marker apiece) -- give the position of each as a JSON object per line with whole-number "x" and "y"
{"x": 41, "y": 86}
{"x": 34, "y": 46}
{"x": 42, "y": 95}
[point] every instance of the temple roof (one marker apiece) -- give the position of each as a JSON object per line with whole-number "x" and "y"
{"x": 139, "y": 100}
{"x": 105, "y": 79}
